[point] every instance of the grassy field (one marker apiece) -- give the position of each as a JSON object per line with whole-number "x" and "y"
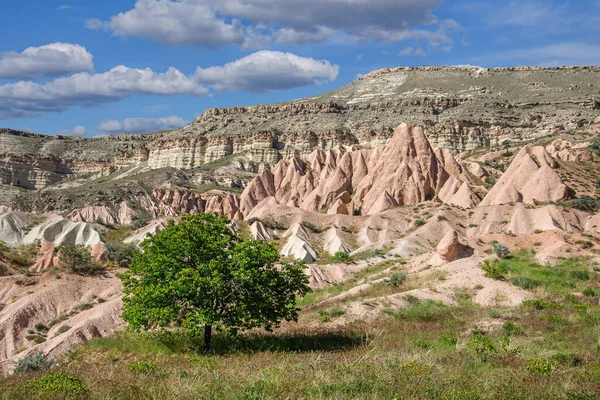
{"x": 548, "y": 348}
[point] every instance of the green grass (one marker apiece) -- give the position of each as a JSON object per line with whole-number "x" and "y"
{"x": 547, "y": 348}
{"x": 522, "y": 270}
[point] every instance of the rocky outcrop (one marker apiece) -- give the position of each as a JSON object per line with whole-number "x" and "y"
{"x": 12, "y": 225}
{"x": 458, "y": 109}
{"x": 406, "y": 171}
{"x": 530, "y": 179}
{"x": 259, "y": 232}
{"x": 566, "y": 151}
{"x": 59, "y": 231}
{"x": 334, "y": 243}
{"x": 149, "y": 230}
{"x": 450, "y": 249}
{"x": 297, "y": 245}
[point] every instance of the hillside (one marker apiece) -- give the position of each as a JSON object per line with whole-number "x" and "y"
{"x": 453, "y": 250}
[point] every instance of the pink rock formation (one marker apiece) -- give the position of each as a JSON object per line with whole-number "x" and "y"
{"x": 530, "y": 179}
{"x": 406, "y": 171}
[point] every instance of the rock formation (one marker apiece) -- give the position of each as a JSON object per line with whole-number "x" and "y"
{"x": 406, "y": 171}
{"x": 530, "y": 179}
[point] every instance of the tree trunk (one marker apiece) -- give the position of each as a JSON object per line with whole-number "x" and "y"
{"x": 207, "y": 336}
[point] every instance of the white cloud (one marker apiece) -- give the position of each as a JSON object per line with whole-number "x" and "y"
{"x": 79, "y": 130}
{"x": 213, "y": 23}
{"x": 175, "y": 22}
{"x": 292, "y": 36}
{"x": 419, "y": 53}
{"x": 259, "y": 72}
{"x": 553, "y": 55}
{"x": 141, "y": 125}
{"x": 64, "y": 7}
{"x": 409, "y": 51}
{"x": 49, "y": 60}
{"x": 26, "y": 98}
{"x": 267, "y": 70}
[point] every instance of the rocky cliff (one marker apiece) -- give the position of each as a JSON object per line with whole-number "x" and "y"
{"x": 458, "y": 109}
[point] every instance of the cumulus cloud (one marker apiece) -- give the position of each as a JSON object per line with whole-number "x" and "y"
{"x": 50, "y": 60}
{"x": 409, "y": 51}
{"x": 267, "y": 70}
{"x": 213, "y": 23}
{"x": 258, "y": 72}
{"x": 27, "y": 98}
{"x": 174, "y": 22}
{"x": 79, "y": 130}
{"x": 141, "y": 125}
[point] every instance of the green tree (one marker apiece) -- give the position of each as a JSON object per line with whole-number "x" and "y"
{"x": 78, "y": 259}
{"x": 199, "y": 274}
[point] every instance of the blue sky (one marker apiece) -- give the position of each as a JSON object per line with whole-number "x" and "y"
{"x": 89, "y": 67}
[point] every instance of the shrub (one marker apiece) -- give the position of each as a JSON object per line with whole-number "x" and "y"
{"x": 525, "y": 282}
{"x": 541, "y": 366}
{"x": 500, "y": 250}
{"x": 341, "y": 257}
{"x": 569, "y": 359}
{"x": 587, "y": 203}
{"x": 541, "y": 305}
{"x": 142, "y": 367}
{"x": 57, "y": 385}
{"x": 421, "y": 344}
{"x": 398, "y": 279}
{"x": 482, "y": 345}
{"x": 37, "y": 362}
{"x": 333, "y": 313}
{"x": 585, "y": 244}
{"x": 119, "y": 254}
{"x": 510, "y": 329}
{"x": 78, "y": 259}
{"x": 493, "y": 270}
{"x": 589, "y": 292}
{"x": 311, "y": 226}
{"x": 420, "y": 222}
{"x": 139, "y": 223}
{"x": 62, "y": 329}
{"x": 449, "y": 338}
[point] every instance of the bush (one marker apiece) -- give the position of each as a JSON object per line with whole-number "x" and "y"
{"x": 119, "y": 254}
{"x": 312, "y": 227}
{"x": 587, "y": 203}
{"x": 482, "y": 345}
{"x": 37, "y": 362}
{"x": 448, "y": 338}
{"x": 340, "y": 257}
{"x": 335, "y": 312}
{"x": 62, "y": 329}
{"x": 420, "y": 222}
{"x": 510, "y": 329}
{"x": 493, "y": 270}
{"x": 78, "y": 259}
{"x": 541, "y": 366}
{"x": 500, "y": 250}
{"x": 397, "y": 279}
{"x": 541, "y": 305}
{"x": 57, "y": 385}
{"x": 589, "y": 292}
{"x": 142, "y": 367}
{"x": 139, "y": 223}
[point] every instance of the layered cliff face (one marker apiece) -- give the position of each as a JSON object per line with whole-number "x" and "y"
{"x": 458, "y": 109}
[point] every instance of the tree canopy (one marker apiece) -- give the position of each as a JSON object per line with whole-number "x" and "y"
{"x": 198, "y": 274}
